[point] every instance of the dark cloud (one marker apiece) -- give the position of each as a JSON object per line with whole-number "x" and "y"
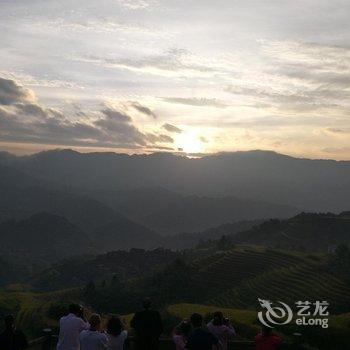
{"x": 118, "y": 125}
{"x": 143, "y": 109}
{"x": 203, "y": 139}
{"x": 32, "y": 109}
{"x": 171, "y": 128}
{"x": 11, "y": 93}
{"x": 23, "y": 120}
{"x": 159, "y": 138}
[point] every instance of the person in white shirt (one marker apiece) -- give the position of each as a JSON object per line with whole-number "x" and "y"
{"x": 70, "y": 328}
{"x": 116, "y": 334}
{"x": 93, "y": 339}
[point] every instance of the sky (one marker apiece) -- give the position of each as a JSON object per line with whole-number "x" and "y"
{"x": 184, "y": 76}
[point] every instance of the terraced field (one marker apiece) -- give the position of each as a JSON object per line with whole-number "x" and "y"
{"x": 237, "y": 278}
{"x": 31, "y": 309}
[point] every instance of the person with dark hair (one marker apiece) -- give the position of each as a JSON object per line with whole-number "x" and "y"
{"x": 201, "y": 339}
{"x": 148, "y": 327}
{"x": 267, "y": 340}
{"x": 116, "y": 334}
{"x": 12, "y": 338}
{"x": 181, "y": 333}
{"x": 221, "y": 328}
{"x": 70, "y": 328}
{"x": 93, "y": 338}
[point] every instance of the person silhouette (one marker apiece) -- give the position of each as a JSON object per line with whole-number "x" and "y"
{"x": 70, "y": 328}
{"x": 93, "y": 338}
{"x": 116, "y": 334}
{"x": 12, "y": 338}
{"x": 222, "y": 329}
{"x": 201, "y": 339}
{"x": 148, "y": 327}
{"x": 181, "y": 333}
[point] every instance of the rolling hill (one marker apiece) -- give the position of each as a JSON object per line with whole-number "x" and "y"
{"x": 42, "y": 236}
{"x": 169, "y": 213}
{"x": 22, "y": 195}
{"x": 306, "y": 231}
{"x": 78, "y": 271}
{"x": 124, "y": 234}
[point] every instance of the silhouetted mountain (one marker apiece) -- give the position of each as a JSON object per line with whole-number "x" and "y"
{"x": 198, "y": 213}
{"x": 168, "y": 212}
{"x": 188, "y": 240}
{"x": 42, "y": 235}
{"x": 11, "y": 177}
{"x": 124, "y": 234}
{"x": 138, "y": 203}
{"x": 22, "y": 195}
{"x": 306, "y": 231}
{"x": 122, "y": 265}
{"x": 322, "y": 185}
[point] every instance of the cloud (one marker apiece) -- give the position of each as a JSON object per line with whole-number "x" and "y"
{"x": 143, "y": 109}
{"x": 136, "y": 4}
{"x": 174, "y": 62}
{"x": 195, "y": 101}
{"x": 119, "y": 126}
{"x": 11, "y": 93}
{"x": 171, "y": 128}
{"x": 23, "y": 120}
{"x": 159, "y": 138}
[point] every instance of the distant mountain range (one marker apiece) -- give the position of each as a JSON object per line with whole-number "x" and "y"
{"x": 76, "y": 203}
{"x": 315, "y": 185}
{"x": 169, "y": 213}
{"x": 25, "y": 191}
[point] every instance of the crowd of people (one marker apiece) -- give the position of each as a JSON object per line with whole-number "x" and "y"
{"x": 77, "y": 333}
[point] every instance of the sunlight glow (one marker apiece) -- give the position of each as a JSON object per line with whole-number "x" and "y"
{"x": 189, "y": 143}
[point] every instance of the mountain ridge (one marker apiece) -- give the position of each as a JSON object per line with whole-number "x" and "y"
{"x": 312, "y": 185}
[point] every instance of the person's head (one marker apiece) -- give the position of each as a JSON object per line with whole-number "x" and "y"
{"x": 95, "y": 322}
{"x": 9, "y": 322}
{"x": 218, "y": 319}
{"x": 114, "y": 326}
{"x": 196, "y": 320}
{"x": 75, "y": 309}
{"x": 146, "y": 303}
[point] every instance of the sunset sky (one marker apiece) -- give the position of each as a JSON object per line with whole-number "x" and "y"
{"x": 191, "y": 76}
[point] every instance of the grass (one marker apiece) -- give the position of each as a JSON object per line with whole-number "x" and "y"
{"x": 31, "y": 309}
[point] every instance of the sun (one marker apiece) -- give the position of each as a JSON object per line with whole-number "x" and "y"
{"x": 189, "y": 143}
